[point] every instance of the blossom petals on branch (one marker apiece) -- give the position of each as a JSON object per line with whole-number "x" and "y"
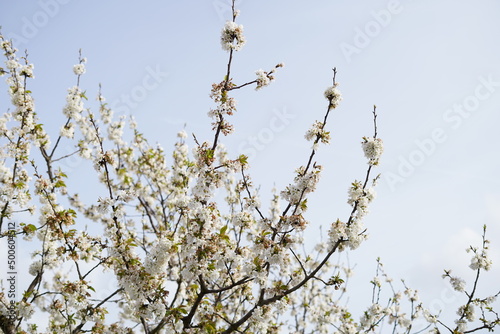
{"x": 232, "y": 37}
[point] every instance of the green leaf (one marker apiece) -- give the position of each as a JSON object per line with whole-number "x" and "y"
{"x": 30, "y": 227}
{"x": 210, "y": 328}
{"x": 223, "y": 230}
{"x": 243, "y": 159}
{"x": 59, "y": 184}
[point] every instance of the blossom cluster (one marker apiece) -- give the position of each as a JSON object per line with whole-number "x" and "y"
{"x": 360, "y": 197}
{"x": 265, "y": 78}
{"x": 480, "y": 259}
{"x": 333, "y": 95}
{"x": 305, "y": 182}
{"x": 226, "y": 106}
{"x": 232, "y": 37}
{"x": 79, "y": 69}
{"x": 317, "y": 133}
{"x": 373, "y": 149}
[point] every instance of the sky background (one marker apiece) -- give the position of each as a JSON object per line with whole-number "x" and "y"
{"x": 431, "y": 67}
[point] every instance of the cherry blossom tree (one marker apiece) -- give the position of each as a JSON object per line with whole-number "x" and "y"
{"x": 184, "y": 259}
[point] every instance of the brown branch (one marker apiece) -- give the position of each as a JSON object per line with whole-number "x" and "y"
{"x": 262, "y": 301}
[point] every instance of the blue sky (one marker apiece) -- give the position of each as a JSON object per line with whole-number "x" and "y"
{"x": 431, "y": 67}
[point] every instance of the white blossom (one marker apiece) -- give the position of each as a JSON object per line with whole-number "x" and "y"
{"x": 461, "y": 325}
{"x": 332, "y": 94}
{"x": 361, "y": 198}
{"x": 457, "y": 283}
{"x": 68, "y": 130}
{"x": 467, "y": 311}
{"x": 262, "y": 79}
{"x": 27, "y": 70}
{"x": 232, "y": 36}
{"x": 480, "y": 261}
{"x": 12, "y": 64}
{"x": 373, "y": 149}
{"x": 159, "y": 256}
{"x": 74, "y": 103}
{"x": 318, "y": 133}
{"x": 305, "y": 182}
{"x": 25, "y": 310}
{"x": 35, "y": 268}
{"x": 79, "y": 69}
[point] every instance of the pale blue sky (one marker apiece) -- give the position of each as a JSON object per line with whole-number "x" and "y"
{"x": 419, "y": 64}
